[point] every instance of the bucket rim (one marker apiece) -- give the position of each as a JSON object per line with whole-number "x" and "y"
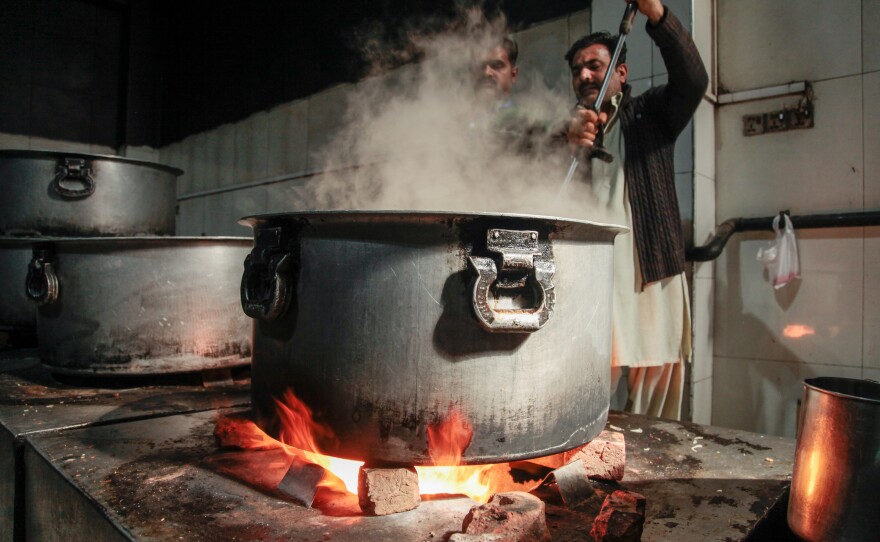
{"x": 858, "y": 389}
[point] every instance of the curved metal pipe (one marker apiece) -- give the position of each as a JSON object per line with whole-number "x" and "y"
{"x": 712, "y": 249}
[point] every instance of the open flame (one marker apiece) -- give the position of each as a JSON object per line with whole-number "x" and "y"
{"x": 298, "y": 432}
{"x": 447, "y": 441}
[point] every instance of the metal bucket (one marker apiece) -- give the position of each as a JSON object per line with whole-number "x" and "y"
{"x": 836, "y": 476}
{"x": 139, "y": 305}
{"x": 49, "y": 193}
{"x": 382, "y": 323}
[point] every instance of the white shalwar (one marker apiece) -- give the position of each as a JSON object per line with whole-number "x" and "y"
{"x": 651, "y": 328}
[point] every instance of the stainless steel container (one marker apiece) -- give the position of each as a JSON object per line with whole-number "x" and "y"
{"x": 836, "y": 475}
{"x": 48, "y": 193}
{"x": 16, "y": 312}
{"x": 382, "y": 323}
{"x": 139, "y": 305}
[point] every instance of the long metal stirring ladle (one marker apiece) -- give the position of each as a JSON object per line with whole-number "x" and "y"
{"x": 598, "y": 149}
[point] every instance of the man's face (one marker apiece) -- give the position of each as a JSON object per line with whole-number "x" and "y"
{"x": 494, "y": 73}
{"x": 588, "y": 68}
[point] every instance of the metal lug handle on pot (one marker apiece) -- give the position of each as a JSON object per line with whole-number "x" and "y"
{"x": 518, "y": 250}
{"x": 265, "y": 286}
{"x": 41, "y": 283}
{"x": 73, "y": 170}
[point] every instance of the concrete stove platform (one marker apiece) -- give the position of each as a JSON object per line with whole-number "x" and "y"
{"x": 32, "y": 402}
{"x": 165, "y": 479}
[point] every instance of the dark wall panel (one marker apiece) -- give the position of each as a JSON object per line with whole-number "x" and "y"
{"x": 62, "y": 76}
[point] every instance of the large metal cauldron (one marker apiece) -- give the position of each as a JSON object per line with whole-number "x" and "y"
{"x": 384, "y": 322}
{"x": 836, "y": 475}
{"x": 49, "y": 193}
{"x": 16, "y": 312}
{"x": 139, "y": 305}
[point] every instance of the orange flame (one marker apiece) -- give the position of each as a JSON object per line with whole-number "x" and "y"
{"x": 298, "y": 432}
{"x": 447, "y": 441}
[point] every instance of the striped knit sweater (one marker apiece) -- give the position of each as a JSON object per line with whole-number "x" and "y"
{"x": 651, "y": 122}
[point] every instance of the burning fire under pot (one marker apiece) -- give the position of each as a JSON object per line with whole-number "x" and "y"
{"x": 441, "y": 345}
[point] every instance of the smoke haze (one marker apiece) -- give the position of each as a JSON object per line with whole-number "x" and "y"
{"x": 423, "y": 140}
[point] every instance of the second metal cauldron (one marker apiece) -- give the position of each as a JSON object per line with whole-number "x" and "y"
{"x": 382, "y": 323}
{"x": 48, "y": 193}
{"x": 139, "y": 305}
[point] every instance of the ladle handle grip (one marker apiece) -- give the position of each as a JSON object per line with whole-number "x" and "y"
{"x": 629, "y": 15}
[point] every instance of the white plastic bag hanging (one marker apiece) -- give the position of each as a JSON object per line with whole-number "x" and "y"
{"x": 781, "y": 257}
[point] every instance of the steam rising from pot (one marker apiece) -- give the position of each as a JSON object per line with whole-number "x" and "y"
{"x": 423, "y": 138}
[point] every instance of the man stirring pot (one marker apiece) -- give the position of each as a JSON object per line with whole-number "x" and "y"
{"x": 651, "y": 332}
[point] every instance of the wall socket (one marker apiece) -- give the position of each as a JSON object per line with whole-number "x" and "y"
{"x": 778, "y": 121}
{"x": 753, "y": 124}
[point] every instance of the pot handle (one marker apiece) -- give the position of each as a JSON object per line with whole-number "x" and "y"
{"x": 265, "y": 285}
{"x": 41, "y": 283}
{"x": 73, "y": 170}
{"x": 518, "y": 251}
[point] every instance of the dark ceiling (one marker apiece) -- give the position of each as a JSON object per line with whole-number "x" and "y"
{"x": 151, "y": 72}
{"x": 225, "y": 60}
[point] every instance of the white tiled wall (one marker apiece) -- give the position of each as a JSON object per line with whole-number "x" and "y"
{"x": 191, "y": 217}
{"x": 871, "y": 35}
{"x": 223, "y": 210}
{"x": 807, "y": 171}
{"x": 14, "y": 141}
{"x": 701, "y": 411}
{"x": 21, "y": 142}
{"x": 768, "y": 341}
{"x": 704, "y": 36}
{"x": 251, "y": 145}
{"x": 214, "y": 153}
{"x": 325, "y": 119}
{"x": 762, "y": 395}
{"x": 288, "y": 138}
{"x": 578, "y": 25}
{"x": 871, "y": 348}
{"x": 763, "y": 43}
{"x": 870, "y": 91}
{"x": 294, "y": 195}
{"x": 543, "y": 47}
{"x": 815, "y": 320}
{"x": 704, "y": 221}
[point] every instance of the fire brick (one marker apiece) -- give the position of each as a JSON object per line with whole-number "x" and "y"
{"x": 388, "y": 491}
{"x": 604, "y": 457}
{"x": 621, "y": 518}
{"x": 238, "y": 432}
{"x": 515, "y": 515}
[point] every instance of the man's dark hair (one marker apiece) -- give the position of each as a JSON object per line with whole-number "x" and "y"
{"x": 509, "y": 45}
{"x": 603, "y": 38}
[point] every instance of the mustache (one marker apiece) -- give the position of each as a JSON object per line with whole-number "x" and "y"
{"x": 586, "y": 87}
